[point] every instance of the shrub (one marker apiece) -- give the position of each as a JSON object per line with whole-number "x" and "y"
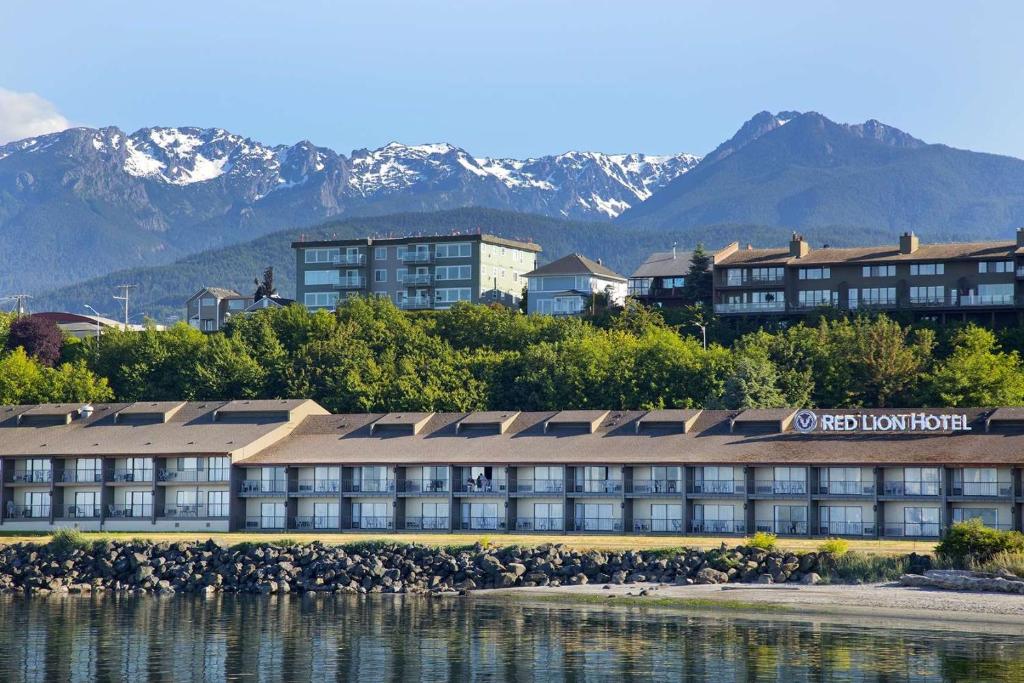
{"x": 853, "y": 567}
{"x": 1005, "y": 562}
{"x": 763, "y": 540}
{"x": 66, "y": 540}
{"x": 836, "y": 547}
{"x": 973, "y": 543}
{"x": 286, "y": 542}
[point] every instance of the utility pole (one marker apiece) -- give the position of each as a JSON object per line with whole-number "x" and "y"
{"x": 124, "y": 297}
{"x": 20, "y": 305}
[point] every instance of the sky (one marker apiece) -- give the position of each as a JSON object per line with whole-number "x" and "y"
{"x": 513, "y": 78}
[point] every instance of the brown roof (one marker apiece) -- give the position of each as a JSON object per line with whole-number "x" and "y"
{"x": 878, "y": 254}
{"x": 576, "y": 264}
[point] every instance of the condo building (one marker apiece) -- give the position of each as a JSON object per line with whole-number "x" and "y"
{"x": 276, "y": 465}
{"x": 416, "y": 273}
{"x": 957, "y": 281}
{"x": 661, "y": 279}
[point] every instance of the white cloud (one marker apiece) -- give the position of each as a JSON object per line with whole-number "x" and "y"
{"x": 25, "y": 114}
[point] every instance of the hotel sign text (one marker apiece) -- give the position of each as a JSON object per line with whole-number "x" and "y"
{"x": 807, "y": 421}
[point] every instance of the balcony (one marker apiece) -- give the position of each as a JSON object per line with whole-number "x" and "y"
{"x": 417, "y": 256}
{"x": 351, "y": 283}
{"x": 426, "y": 523}
{"x": 911, "y": 530}
{"x": 537, "y": 487}
{"x": 780, "y": 488}
{"x": 717, "y": 526}
{"x": 349, "y": 259}
{"x": 846, "y": 488}
{"x": 259, "y": 487}
{"x": 370, "y": 487}
{"x": 195, "y": 511}
{"x": 718, "y": 487}
{"x": 989, "y": 489}
{"x": 132, "y": 511}
{"x": 416, "y": 303}
{"x": 751, "y": 307}
{"x": 381, "y": 523}
{"x": 597, "y": 524}
{"x": 487, "y": 488}
{"x": 910, "y": 488}
{"x": 315, "y": 487}
{"x": 658, "y": 526}
{"x": 596, "y": 487}
{"x": 782, "y": 528}
{"x": 32, "y": 477}
{"x": 655, "y": 487}
{"x": 272, "y": 523}
{"x": 310, "y": 523}
{"x": 413, "y": 279}
{"x": 423, "y": 486}
{"x": 748, "y": 279}
{"x": 188, "y": 476}
{"x": 538, "y": 524}
{"x": 844, "y": 529}
{"x": 127, "y": 476}
{"x": 36, "y": 512}
{"x": 875, "y": 302}
{"x": 482, "y": 524}
{"x": 83, "y": 512}
{"x": 81, "y": 476}
{"x": 986, "y": 300}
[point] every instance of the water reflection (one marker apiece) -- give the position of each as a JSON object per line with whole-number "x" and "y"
{"x": 290, "y": 638}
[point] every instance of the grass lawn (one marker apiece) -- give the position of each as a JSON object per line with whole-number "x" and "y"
{"x": 619, "y": 543}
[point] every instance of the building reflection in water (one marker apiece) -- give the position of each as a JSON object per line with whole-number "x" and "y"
{"x": 287, "y": 638}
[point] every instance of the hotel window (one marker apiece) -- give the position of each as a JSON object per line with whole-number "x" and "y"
{"x": 185, "y": 501}
{"x": 877, "y": 295}
{"x": 594, "y": 517}
{"x": 321, "y": 277}
{"x": 927, "y": 295}
{"x": 219, "y": 468}
{"x": 454, "y": 250}
{"x": 320, "y": 299}
{"x": 373, "y": 479}
{"x": 921, "y": 481}
{"x": 790, "y": 519}
{"x": 37, "y": 469}
{"x": 380, "y": 253}
{"x": 272, "y": 515}
{"x": 920, "y": 521}
{"x": 818, "y": 297}
{"x": 988, "y": 516}
{"x": 714, "y": 480}
{"x": 454, "y": 272}
{"x": 37, "y": 504}
{"x": 878, "y": 271}
{"x": 815, "y": 273}
{"x": 139, "y": 469}
{"x": 87, "y": 503}
{"x": 480, "y": 516}
{"x": 138, "y": 503}
{"x": 666, "y": 479}
{"x": 927, "y": 268}
{"x": 453, "y": 295}
{"x": 841, "y": 480}
{"x": 547, "y": 479}
{"x": 326, "y": 515}
{"x": 976, "y": 481}
{"x": 995, "y": 266}
{"x": 217, "y": 503}
{"x": 88, "y": 470}
{"x": 380, "y": 275}
{"x": 273, "y": 479}
{"x": 715, "y": 519}
{"x": 640, "y": 286}
{"x": 548, "y": 516}
{"x": 435, "y": 515}
{"x": 837, "y": 520}
{"x": 593, "y": 479}
{"x": 789, "y": 480}
{"x": 435, "y": 478}
{"x": 666, "y": 517}
{"x": 327, "y": 479}
{"x": 371, "y": 515}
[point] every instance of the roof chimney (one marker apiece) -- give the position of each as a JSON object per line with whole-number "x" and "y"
{"x": 909, "y": 242}
{"x": 798, "y": 246}
{"x": 1020, "y": 237}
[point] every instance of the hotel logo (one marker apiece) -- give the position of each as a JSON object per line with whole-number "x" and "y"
{"x": 805, "y": 421}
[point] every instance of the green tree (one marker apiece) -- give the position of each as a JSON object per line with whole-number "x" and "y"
{"x": 21, "y": 379}
{"x": 698, "y": 286}
{"x": 752, "y": 383}
{"x": 977, "y": 373}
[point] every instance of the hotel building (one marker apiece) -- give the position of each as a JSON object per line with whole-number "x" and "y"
{"x": 414, "y": 272}
{"x": 277, "y": 465}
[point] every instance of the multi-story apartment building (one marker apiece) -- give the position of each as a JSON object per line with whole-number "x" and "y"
{"x": 660, "y": 280}
{"x": 970, "y": 280}
{"x": 274, "y": 465}
{"x": 211, "y": 307}
{"x": 414, "y": 272}
{"x": 567, "y": 286}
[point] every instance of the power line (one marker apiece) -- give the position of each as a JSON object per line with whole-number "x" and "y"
{"x": 20, "y": 305}
{"x": 126, "y": 288}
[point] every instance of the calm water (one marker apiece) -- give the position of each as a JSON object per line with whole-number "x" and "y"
{"x": 312, "y": 639}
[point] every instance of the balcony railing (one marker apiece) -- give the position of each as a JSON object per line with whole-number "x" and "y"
{"x": 417, "y": 256}
{"x": 538, "y": 524}
{"x": 264, "y": 523}
{"x": 133, "y": 511}
{"x": 83, "y": 511}
{"x": 986, "y": 300}
{"x": 416, "y": 303}
{"x": 655, "y": 486}
{"x": 82, "y": 476}
{"x": 128, "y": 475}
{"x": 373, "y": 523}
{"x": 487, "y": 488}
{"x": 33, "y": 477}
{"x": 992, "y": 489}
{"x": 751, "y": 307}
{"x": 351, "y": 283}
{"x": 420, "y": 523}
{"x": 749, "y": 279}
{"x": 370, "y": 486}
{"x": 658, "y": 526}
{"x": 349, "y": 259}
{"x": 844, "y": 529}
{"x": 597, "y": 524}
{"x": 717, "y": 526}
{"x": 846, "y": 488}
{"x": 777, "y": 487}
{"x": 596, "y": 487}
{"x": 482, "y": 523}
{"x": 195, "y": 511}
{"x": 260, "y": 487}
{"x": 425, "y": 486}
{"x": 538, "y": 486}
{"x": 411, "y": 279}
{"x": 316, "y": 522}
{"x": 315, "y": 487}
{"x": 192, "y": 475}
{"x": 28, "y": 512}
{"x": 784, "y": 528}
{"x": 718, "y": 486}
{"x": 911, "y": 529}
{"x": 911, "y": 488}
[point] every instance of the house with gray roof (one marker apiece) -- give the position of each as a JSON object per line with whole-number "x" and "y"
{"x": 660, "y": 279}
{"x": 211, "y": 307}
{"x": 569, "y": 285}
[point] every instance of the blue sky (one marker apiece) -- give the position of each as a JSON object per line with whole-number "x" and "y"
{"x": 514, "y": 78}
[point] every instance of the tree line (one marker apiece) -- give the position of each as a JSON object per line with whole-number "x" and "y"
{"x": 370, "y": 356}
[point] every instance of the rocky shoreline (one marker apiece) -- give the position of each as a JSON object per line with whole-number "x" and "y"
{"x": 264, "y": 568}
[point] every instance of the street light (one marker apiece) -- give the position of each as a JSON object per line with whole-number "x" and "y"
{"x": 96, "y": 313}
{"x": 704, "y": 334}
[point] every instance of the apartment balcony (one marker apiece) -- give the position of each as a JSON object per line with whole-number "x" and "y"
{"x": 911, "y": 489}
{"x": 713, "y": 527}
{"x": 273, "y": 523}
{"x": 416, "y": 303}
{"x": 373, "y": 523}
{"x": 654, "y": 487}
{"x": 718, "y": 487}
{"x": 911, "y": 530}
{"x": 751, "y": 280}
{"x": 417, "y": 279}
{"x": 351, "y": 283}
{"x": 31, "y": 478}
{"x": 94, "y": 476}
{"x": 487, "y": 488}
{"x": 853, "y": 529}
{"x": 596, "y": 487}
{"x": 133, "y": 476}
{"x": 551, "y": 524}
{"x": 426, "y": 524}
{"x": 537, "y": 487}
{"x": 370, "y": 487}
{"x": 976, "y": 300}
{"x": 349, "y": 260}
{"x": 253, "y": 488}
{"x": 751, "y": 307}
{"x": 189, "y": 476}
{"x": 423, "y": 487}
{"x": 875, "y": 302}
{"x": 195, "y": 511}
{"x": 418, "y": 256}
{"x": 775, "y": 487}
{"x": 596, "y": 524}
{"x": 315, "y": 487}
{"x": 658, "y": 526}
{"x": 483, "y": 524}
{"x": 846, "y": 488}
{"x": 314, "y": 522}
{"x": 782, "y": 528}
{"x": 1001, "y": 489}
{"x": 134, "y": 511}
{"x": 33, "y": 512}
{"x": 82, "y": 512}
